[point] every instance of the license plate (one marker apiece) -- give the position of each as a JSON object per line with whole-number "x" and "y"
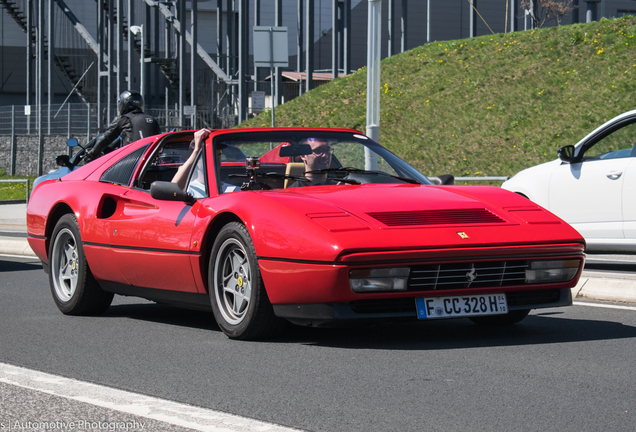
{"x": 461, "y": 306}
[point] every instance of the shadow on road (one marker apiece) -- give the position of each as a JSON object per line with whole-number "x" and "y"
{"x": 540, "y": 327}
{"x": 160, "y": 313}
{"x": 13, "y": 266}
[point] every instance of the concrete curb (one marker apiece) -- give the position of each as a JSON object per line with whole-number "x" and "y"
{"x": 605, "y": 289}
{"x": 15, "y": 246}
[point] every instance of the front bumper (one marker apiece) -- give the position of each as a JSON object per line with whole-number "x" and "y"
{"x": 331, "y": 314}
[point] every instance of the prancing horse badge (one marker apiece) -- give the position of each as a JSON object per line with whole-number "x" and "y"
{"x": 462, "y": 235}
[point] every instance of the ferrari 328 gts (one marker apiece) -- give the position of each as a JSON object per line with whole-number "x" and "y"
{"x": 316, "y": 227}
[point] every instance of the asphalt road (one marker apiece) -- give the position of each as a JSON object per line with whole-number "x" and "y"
{"x": 567, "y": 369}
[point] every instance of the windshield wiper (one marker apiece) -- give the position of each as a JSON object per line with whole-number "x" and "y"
{"x": 361, "y": 171}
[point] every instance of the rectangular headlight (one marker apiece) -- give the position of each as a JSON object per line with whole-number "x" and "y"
{"x": 379, "y": 279}
{"x": 551, "y": 271}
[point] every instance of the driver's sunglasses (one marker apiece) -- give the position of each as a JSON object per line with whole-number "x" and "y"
{"x": 322, "y": 150}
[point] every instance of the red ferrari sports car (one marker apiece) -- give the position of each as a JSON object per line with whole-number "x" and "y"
{"x": 313, "y": 226}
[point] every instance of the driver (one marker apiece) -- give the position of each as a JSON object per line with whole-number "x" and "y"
{"x": 319, "y": 158}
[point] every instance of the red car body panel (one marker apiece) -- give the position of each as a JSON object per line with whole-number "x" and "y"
{"x": 306, "y": 239}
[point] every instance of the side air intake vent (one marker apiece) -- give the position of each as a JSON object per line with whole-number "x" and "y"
{"x": 121, "y": 172}
{"x": 436, "y": 217}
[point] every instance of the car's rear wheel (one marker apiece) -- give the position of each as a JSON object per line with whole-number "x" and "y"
{"x": 512, "y": 317}
{"x": 73, "y": 286}
{"x": 237, "y": 295}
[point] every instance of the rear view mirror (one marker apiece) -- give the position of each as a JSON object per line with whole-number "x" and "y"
{"x": 168, "y": 191}
{"x": 566, "y": 153}
{"x": 72, "y": 142}
{"x": 295, "y": 150}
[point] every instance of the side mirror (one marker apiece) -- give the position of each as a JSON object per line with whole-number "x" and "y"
{"x": 444, "y": 179}
{"x": 295, "y": 150}
{"x": 72, "y": 142}
{"x": 63, "y": 161}
{"x": 566, "y": 153}
{"x": 447, "y": 179}
{"x": 168, "y": 191}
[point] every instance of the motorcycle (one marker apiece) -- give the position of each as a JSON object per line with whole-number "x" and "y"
{"x": 69, "y": 164}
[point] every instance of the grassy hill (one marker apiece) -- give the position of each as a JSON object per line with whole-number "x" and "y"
{"x": 490, "y": 105}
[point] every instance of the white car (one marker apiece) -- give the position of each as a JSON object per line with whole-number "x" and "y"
{"x": 592, "y": 185}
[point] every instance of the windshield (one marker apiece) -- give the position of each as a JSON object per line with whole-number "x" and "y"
{"x": 291, "y": 159}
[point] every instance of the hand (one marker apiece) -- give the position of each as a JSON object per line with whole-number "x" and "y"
{"x": 199, "y": 137}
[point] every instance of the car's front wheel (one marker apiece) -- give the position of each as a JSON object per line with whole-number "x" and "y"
{"x": 75, "y": 290}
{"x": 237, "y": 295}
{"x": 512, "y": 317}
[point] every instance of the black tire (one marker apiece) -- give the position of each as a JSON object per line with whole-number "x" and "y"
{"x": 75, "y": 290}
{"x": 237, "y": 295}
{"x": 512, "y": 317}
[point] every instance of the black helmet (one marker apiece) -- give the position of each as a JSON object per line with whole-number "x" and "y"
{"x": 128, "y": 101}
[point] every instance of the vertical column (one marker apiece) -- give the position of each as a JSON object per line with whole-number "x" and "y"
{"x": 182, "y": 52}
{"x": 40, "y": 84}
{"x": 278, "y": 17}
{"x": 373, "y": 75}
{"x": 120, "y": 46}
{"x": 130, "y": 13}
{"x": 334, "y": 39}
{"x": 29, "y": 60}
{"x": 193, "y": 60}
{"x": 229, "y": 49}
{"x": 49, "y": 68}
{"x": 111, "y": 57}
{"x": 243, "y": 46}
{"x": 403, "y": 25}
{"x": 575, "y": 12}
{"x": 257, "y": 22}
{"x": 390, "y": 29}
{"x": 100, "y": 60}
{"x": 88, "y": 122}
{"x": 309, "y": 46}
{"x": 428, "y": 21}
{"x": 300, "y": 29}
{"x": 12, "y": 160}
{"x": 145, "y": 46}
{"x": 473, "y": 19}
{"x": 347, "y": 37}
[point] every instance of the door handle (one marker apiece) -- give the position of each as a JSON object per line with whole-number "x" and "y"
{"x": 613, "y": 175}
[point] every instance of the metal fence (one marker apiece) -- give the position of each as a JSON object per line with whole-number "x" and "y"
{"x": 77, "y": 119}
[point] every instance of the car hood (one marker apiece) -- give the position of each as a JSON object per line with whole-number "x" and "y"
{"x": 347, "y": 219}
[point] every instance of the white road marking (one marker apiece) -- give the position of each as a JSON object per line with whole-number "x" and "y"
{"x": 601, "y": 305}
{"x": 166, "y": 411}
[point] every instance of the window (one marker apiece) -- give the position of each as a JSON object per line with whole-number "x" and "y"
{"x": 618, "y": 144}
{"x": 121, "y": 172}
{"x": 165, "y": 161}
{"x": 197, "y": 184}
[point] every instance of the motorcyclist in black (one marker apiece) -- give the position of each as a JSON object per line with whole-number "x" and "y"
{"x": 131, "y": 124}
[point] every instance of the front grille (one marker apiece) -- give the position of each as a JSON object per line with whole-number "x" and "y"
{"x": 436, "y": 217}
{"x": 467, "y": 275}
{"x": 516, "y": 299}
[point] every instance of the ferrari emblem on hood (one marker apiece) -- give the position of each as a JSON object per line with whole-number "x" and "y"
{"x": 462, "y": 235}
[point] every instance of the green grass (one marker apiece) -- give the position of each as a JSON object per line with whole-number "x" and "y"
{"x": 491, "y": 105}
{"x": 13, "y": 191}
